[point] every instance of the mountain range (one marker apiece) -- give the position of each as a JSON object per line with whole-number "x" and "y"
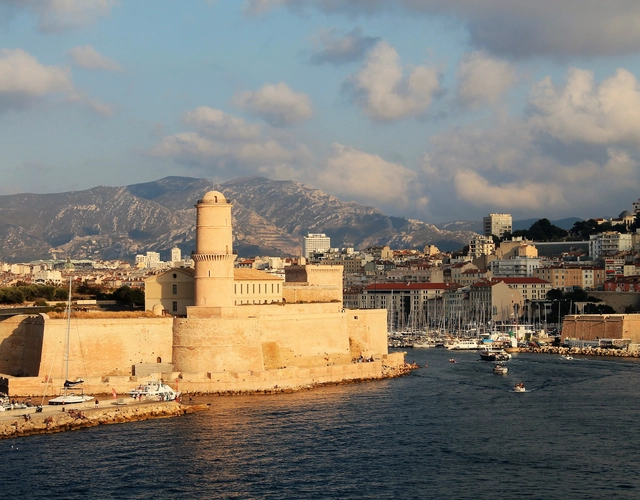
{"x": 270, "y": 218}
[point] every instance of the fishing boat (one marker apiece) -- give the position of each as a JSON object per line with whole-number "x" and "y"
{"x": 500, "y": 370}
{"x": 494, "y": 354}
{"x": 155, "y": 390}
{"x": 72, "y": 393}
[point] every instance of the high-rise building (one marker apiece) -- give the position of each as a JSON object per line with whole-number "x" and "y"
{"x": 176, "y": 255}
{"x": 497, "y": 224}
{"x": 315, "y": 243}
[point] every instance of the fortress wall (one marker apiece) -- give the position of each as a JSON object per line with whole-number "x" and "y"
{"x": 21, "y": 345}
{"x": 216, "y": 344}
{"x": 367, "y": 331}
{"x": 595, "y": 326}
{"x": 101, "y": 347}
{"x": 311, "y": 293}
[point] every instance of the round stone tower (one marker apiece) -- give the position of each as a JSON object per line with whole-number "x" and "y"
{"x": 214, "y": 254}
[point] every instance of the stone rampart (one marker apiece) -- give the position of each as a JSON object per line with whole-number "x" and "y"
{"x": 21, "y": 340}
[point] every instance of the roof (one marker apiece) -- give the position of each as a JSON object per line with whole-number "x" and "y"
{"x": 253, "y": 274}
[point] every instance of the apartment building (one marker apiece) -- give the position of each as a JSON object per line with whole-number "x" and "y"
{"x": 497, "y": 224}
{"x": 609, "y": 243}
{"x": 517, "y": 267}
{"x": 481, "y": 245}
{"x": 315, "y": 243}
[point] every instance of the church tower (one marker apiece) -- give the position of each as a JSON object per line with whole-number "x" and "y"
{"x": 214, "y": 253}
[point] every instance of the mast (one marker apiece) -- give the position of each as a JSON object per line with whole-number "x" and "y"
{"x": 66, "y": 347}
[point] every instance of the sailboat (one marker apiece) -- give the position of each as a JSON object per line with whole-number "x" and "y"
{"x": 67, "y": 397}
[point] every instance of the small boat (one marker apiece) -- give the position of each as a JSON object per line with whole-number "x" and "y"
{"x": 490, "y": 354}
{"x": 500, "y": 370}
{"x": 567, "y": 357}
{"x": 451, "y": 360}
{"x": 155, "y": 390}
{"x": 519, "y": 387}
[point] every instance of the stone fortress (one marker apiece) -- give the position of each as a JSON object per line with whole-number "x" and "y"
{"x": 228, "y": 330}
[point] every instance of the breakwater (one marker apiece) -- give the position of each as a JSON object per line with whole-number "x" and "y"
{"x": 585, "y": 351}
{"x": 28, "y": 422}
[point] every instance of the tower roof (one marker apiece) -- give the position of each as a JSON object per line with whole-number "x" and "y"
{"x": 213, "y": 197}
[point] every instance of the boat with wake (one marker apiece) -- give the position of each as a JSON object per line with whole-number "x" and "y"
{"x": 500, "y": 370}
{"x": 519, "y": 387}
{"x": 494, "y": 354}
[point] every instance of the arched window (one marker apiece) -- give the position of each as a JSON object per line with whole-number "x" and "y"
{"x": 159, "y": 360}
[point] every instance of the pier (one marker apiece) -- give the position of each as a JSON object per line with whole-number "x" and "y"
{"x": 52, "y": 419}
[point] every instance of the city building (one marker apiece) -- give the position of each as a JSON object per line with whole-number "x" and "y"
{"x": 497, "y": 224}
{"x": 315, "y": 243}
{"x": 609, "y": 243}
{"x": 481, "y": 245}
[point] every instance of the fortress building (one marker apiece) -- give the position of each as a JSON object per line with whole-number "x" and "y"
{"x": 217, "y": 329}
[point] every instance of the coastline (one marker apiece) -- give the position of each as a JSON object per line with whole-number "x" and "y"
{"x": 589, "y": 351}
{"x": 53, "y": 419}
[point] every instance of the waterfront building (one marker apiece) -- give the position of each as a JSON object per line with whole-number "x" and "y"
{"x": 495, "y": 301}
{"x": 497, "y": 224}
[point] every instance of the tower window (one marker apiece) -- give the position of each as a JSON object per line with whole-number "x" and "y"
{"x": 175, "y": 306}
{"x": 174, "y": 289}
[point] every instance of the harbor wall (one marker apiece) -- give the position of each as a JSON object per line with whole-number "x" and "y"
{"x": 105, "y": 346}
{"x": 228, "y": 382}
{"x": 602, "y": 326}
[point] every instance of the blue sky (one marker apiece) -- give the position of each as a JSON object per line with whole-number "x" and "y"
{"x": 437, "y": 110}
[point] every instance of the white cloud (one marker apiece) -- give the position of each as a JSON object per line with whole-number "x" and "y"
{"x": 24, "y": 82}
{"x": 582, "y": 111}
{"x": 277, "y": 104}
{"x": 332, "y": 48}
{"x": 216, "y": 123}
{"x": 368, "y": 178}
{"x": 87, "y": 57}
{"x": 60, "y": 15}
{"x": 385, "y": 94}
{"x": 483, "y": 79}
{"x": 221, "y": 141}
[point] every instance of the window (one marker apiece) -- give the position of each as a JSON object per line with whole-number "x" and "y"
{"x": 174, "y": 289}
{"x": 175, "y": 306}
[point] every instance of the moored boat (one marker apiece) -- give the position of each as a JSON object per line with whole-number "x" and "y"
{"x": 154, "y": 389}
{"x": 464, "y": 345}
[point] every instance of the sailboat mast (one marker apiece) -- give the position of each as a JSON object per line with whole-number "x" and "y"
{"x": 67, "y": 340}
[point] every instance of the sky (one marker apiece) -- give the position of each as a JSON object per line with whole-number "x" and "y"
{"x": 436, "y": 110}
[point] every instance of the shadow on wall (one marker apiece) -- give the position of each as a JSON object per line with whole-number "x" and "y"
{"x": 21, "y": 345}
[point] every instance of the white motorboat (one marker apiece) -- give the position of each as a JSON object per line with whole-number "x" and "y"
{"x": 567, "y": 357}
{"x": 500, "y": 370}
{"x": 155, "y": 390}
{"x": 519, "y": 387}
{"x": 464, "y": 345}
{"x": 493, "y": 354}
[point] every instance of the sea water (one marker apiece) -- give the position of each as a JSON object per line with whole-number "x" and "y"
{"x": 447, "y": 430}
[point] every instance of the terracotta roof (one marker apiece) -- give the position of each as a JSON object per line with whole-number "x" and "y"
{"x": 381, "y": 287}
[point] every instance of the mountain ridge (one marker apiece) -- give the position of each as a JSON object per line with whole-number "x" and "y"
{"x": 270, "y": 218}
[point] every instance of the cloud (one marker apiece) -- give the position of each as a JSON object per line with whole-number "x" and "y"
{"x": 277, "y": 104}
{"x": 385, "y": 94}
{"x": 25, "y": 83}
{"x": 334, "y": 49}
{"x": 368, "y": 178}
{"x": 504, "y": 27}
{"x": 88, "y": 58}
{"x": 483, "y": 79}
{"x": 582, "y": 111}
{"x": 221, "y": 142}
{"x": 55, "y": 16}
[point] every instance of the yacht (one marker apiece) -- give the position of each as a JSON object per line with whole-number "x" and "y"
{"x": 155, "y": 390}
{"x": 464, "y": 345}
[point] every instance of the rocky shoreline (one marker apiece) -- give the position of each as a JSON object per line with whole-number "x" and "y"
{"x": 56, "y": 419}
{"x": 576, "y": 351}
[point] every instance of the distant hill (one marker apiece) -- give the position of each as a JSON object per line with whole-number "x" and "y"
{"x": 476, "y": 226}
{"x": 270, "y": 218}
